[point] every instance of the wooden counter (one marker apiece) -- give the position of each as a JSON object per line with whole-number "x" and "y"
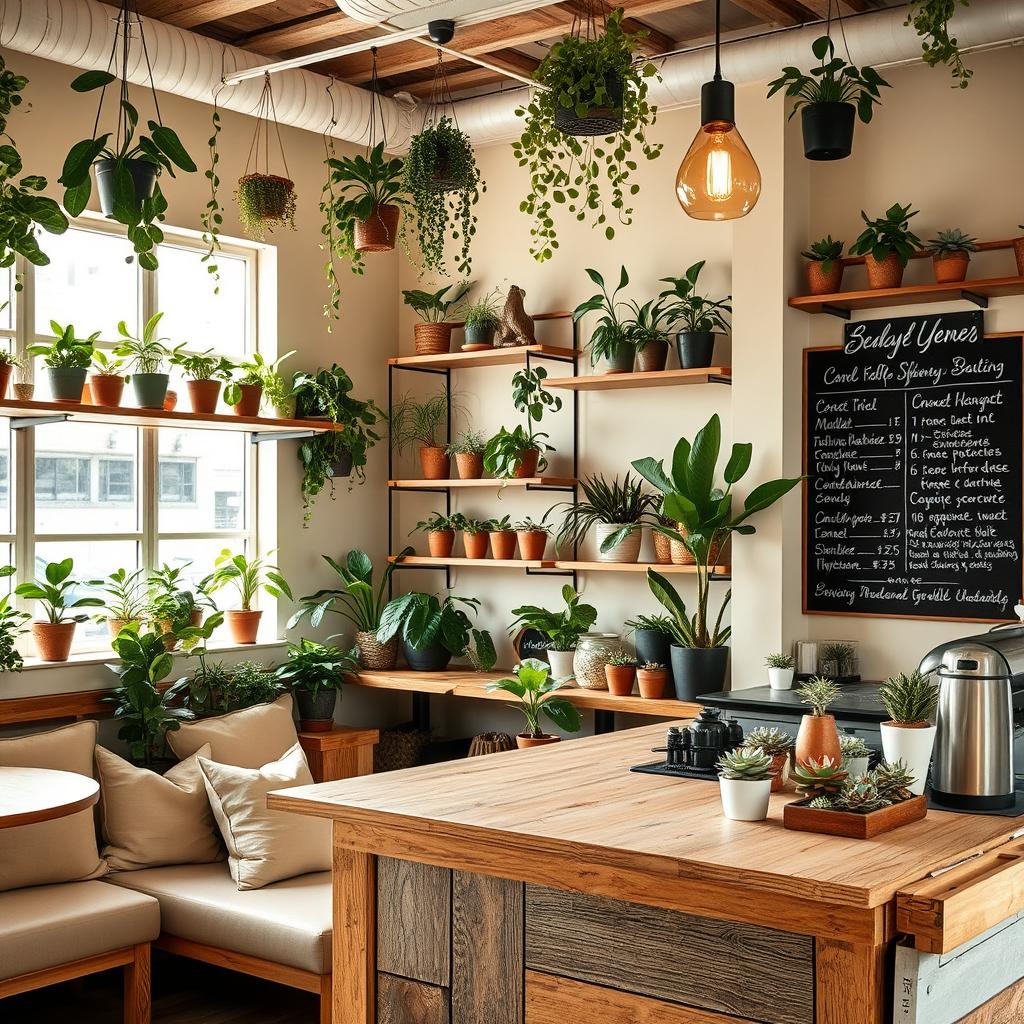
{"x": 571, "y": 818}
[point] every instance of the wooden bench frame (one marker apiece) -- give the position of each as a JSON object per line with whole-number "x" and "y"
{"x": 134, "y": 960}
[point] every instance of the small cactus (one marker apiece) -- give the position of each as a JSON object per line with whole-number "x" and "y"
{"x": 817, "y": 778}
{"x": 821, "y": 803}
{"x": 750, "y": 764}
{"x": 909, "y": 699}
{"x": 860, "y": 795}
{"x": 779, "y": 661}
{"x": 894, "y": 781}
{"x": 771, "y": 740}
{"x": 818, "y": 693}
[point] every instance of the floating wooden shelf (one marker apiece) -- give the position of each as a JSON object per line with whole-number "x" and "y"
{"x": 530, "y": 481}
{"x": 719, "y": 572}
{"x": 488, "y": 357}
{"x": 478, "y": 563}
{"x": 659, "y": 379}
{"x": 470, "y": 684}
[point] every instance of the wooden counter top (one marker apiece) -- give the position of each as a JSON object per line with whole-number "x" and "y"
{"x": 573, "y": 816}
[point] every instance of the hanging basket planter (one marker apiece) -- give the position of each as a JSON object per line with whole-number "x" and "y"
{"x": 828, "y": 130}
{"x": 265, "y": 201}
{"x": 593, "y": 117}
{"x": 377, "y": 233}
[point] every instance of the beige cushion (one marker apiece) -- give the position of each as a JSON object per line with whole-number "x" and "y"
{"x": 265, "y": 846}
{"x": 62, "y": 850}
{"x": 150, "y": 820}
{"x": 248, "y": 738}
{"x": 50, "y": 925}
{"x": 286, "y": 923}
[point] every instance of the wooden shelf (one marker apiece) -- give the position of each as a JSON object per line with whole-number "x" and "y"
{"x": 479, "y": 563}
{"x": 530, "y": 481}
{"x": 470, "y": 684}
{"x": 132, "y": 417}
{"x": 720, "y": 572}
{"x": 659, "y": 379}
{"x": 909, "y": 295}
{"x": 488, "y": 357}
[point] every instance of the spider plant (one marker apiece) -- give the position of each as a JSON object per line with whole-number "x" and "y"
{"x": 623, "y": 505}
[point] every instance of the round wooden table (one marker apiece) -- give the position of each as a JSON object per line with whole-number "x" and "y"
{"x": 31, "y": 795}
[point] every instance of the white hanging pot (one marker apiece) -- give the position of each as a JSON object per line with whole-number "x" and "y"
{"x": 627, "y": 550}
{"x": 913, "y": 746}
{"x": 561, "y": 663}
{"x": 743, "y": 800}
{"x": 780, "y": 678}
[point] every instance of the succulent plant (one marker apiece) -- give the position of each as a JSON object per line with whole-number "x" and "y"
{"x": 652, "y": 666}
{"x": 779, "y": 661}
{"x": 621, "y": 659}
{"x": 816, "y": 778}
{"x": 909, "y": 699}
{"x": 826, "y": 251}
{"x": 818, "y": 693}
{"x": 853, "y": 746}
{"x": 771, "y": 740}
{"x": 894, "y": 781}
{"x": 860, "y": 795}
{"x": 952, "y": 242}
{"x": 748, "y": 764}
{"x": 821, "y": 803}
{"x": 840, "y": 657}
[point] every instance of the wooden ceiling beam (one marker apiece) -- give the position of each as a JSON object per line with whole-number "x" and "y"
{"x": 777, "y": 13}
{"x": 653, "y": 42}
{"x": 190, "y": 15}
{"x": 457, "y": 82}
{"x": 322, "y": 27}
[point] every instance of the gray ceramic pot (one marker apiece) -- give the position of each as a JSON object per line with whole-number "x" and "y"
{"x": 318, "y": 708}
{"x": 150, "y": 389}
{"x": 66, "y": 383}
{"x": 430, "y": 659}
{"x": 697, "y": 670}
{"x": 480, "y": 334}
{"x": 695, "y": 349}
{"x": 620, "y": 359}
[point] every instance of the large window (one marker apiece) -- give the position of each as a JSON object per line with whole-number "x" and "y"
{"x": 111, "y": 496}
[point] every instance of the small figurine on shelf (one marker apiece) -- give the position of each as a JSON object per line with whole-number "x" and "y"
{"x": 516, "y": 325}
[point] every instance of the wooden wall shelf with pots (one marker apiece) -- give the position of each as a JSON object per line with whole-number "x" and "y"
{"x": 719, "y": 573}
{"x": 429, "y": 561}
{"x": 489, "y": 357}
{"x": 659, "y": 379}
{"x": 531, "y": 483}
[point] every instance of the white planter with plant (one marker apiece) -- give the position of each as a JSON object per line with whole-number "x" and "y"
{"x": 856, "y": 754}
{"x": 745, "y": 783}
{"x": 780, "y": 671}
{"x": 615, "y": 511}
{"x": 909, "y": 735}
{"x": 563, "y": 629}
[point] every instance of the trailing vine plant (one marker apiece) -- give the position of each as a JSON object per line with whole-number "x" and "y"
{"x": 930, "y": 19}
{"x": 332, "y": 307}
{"x": 580, "y": 73}
{"x": 212, "y": 217}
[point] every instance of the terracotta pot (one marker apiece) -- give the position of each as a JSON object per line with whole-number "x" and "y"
{"x": 53, "y": 639}
{"x": 432, "y": 339}
{"x": 114, "y": 626}
{"x": 652, "y": 357}
{"x": 780, "y": 768}
{"x": 106, "y": 389}
{"x": 817, "y": 738}
{"x": 887, "y": 273}
{"x": 821, "y": 283}
{"x": 23, "y": 392}
{"x": 620, "y": 679}
{"x": 662, "y": 548}
{"x": 469, "y": 465}
{"x": 87, "y": 394}
{"x": 525, "y": 742}
{"x": 527, "y": 464}
{"x": 377, "y": 233}
{"x": 951, "y": 268}
{"x": 651, "y": 682}
{"x": 532, "y": 544}
{"x": 441, "y": 543}
{"x": 249, "y": 403}
{"x": 243, "y": 625}
{"x": 435, "y": 464}
{"x": 195, "y": 617}
{"x": 373, "y": 654}
{"x": 5, "y": 376}
{"x": 170, "y": 401}
{"x": 1018, "y": 252}
{"x": 203, "y": 395}
{"x": 503, "y": 545}
{"x": 165, "y": 627}
{"x": 475, "y": 544}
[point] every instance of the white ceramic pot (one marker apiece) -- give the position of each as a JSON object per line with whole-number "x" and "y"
{"x": 780, "y": 678}
{"x": 856, "y": 766}
{"x": 625, "y": 551}
{"x": 743, "y": 800}
{"x": 911, "y": 746}
{"x": 561, "y": 663}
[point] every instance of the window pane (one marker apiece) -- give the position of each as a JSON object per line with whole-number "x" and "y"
{"x": 193, "y": 314}
{"x": 86, "y": 479}
{"x": 88, "y": 283}
{"x": 196, "y": 558}
{"x": 201, "y": 481}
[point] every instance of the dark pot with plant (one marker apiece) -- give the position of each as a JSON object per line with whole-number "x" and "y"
{"x": 824, "y": 266}
{"x": 535, "y": 688}
{"x": 593, "y": 82}
{"x": 314, "y": 672}
{"x": 433, "y": 335}
{"x": 422, "y": 424}
{"x": 887, "y": 243}
{"x": 468, "y": 451}
{"x": 829, "y": 100}
{"x": 610, "y": 339}
{"x": 519, "y": 453}
{"x": 696, "y": 318}
{"x": 432, "y": 631}
{"x": 67, "y": 359}
{"x": 146, "y": 356}
{"x": 205, "y": 373}
{"x": 951, "y": 255}
{"x": 652, "y": 638}
{"x": 440, "y": 531}
{"x": 481, "y": 320}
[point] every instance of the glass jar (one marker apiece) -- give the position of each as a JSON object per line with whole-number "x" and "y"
{"x": 592, "y": 653}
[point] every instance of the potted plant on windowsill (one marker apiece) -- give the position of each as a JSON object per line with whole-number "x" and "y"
{"x": 12, "y": 626}
{"x": 519, "y": 453}
{"x": 951, "y": 255}
{"x": 503, "y": 538}
{"x": 563, "y": 629}
{"x": 258, "y": 382}
{"x": 620, "y": 672}
{"x": 440, "y": 531}
{"x": 67, "y": 359}
{"x": 205, "y": 374}
{"x": 126, "y": 601}
{"x": 8, "y": 361}
{"x": 745, "y": 783}
{"x": 358, "y": 604}
{"x": 780, "y": 671}
{"x": 58, "y": 594}
{"x": 778, "y": 745}
{"x": 536, "y": 690}
{"x": 695, "y": 318}
{"x": 887, "y": 243}
{"x": 433, "y": 334}
{"x": 481, "y": 319}
{"x": 829, "y": 100}
{"x": 432, "y": 631}
{"x": 248, "y": 576}
{"x": 856, "y": 754}
{"x": 171, "y": 605}
{"x": 909, "y": 735}
{"x": 314, "y": 672}
{"x": 146, "y": 357}
{"x": 532, "y": 538}
{"x": 106, "y": 382}
{"x": 824, "y": 266}
{"x": 818, "y": 736}
{"x": 421, "y": 423}
{"x": 468, "y": 451}
{"x": 610, "y": 339}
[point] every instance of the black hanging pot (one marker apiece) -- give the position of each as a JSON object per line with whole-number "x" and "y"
{"x": 343, "y": 466}
{"x": 696, "y": 349}
{"x": 606, "y": 120}
{"x": 143, "y": 175}
{"x": 697, "y": 670}
{"x": 434, "y": 658}
{"x": 828, "y": 130}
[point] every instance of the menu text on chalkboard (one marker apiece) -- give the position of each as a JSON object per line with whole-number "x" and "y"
{"x": 913, "y": 455}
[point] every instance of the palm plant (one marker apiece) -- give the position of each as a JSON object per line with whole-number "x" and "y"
{"x": 146, "y": 353}
{"x": 623, "y": 505}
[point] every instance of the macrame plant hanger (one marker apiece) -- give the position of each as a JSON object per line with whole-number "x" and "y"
{"x": 266, "y": 113}
{"x": 440, "y": 99}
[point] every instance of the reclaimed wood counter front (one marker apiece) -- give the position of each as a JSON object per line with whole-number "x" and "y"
{"x": 554, "y": 878}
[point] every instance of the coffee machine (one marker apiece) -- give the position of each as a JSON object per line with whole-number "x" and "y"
{"x": 980, "y": 716}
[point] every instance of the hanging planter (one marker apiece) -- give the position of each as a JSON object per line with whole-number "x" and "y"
{"x": 600, "y": 113}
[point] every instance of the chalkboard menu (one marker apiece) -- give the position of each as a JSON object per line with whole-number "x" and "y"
{"x": 912, "y": 449}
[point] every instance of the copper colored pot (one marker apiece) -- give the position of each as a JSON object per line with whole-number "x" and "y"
{"x": 441, "y": 543}
{"x": 106, "y": 389}
{"x": 817, "y": 738}
{"x": 432, "y": 339}
{"x": 652, "y": 357}
{"x": 436, "y": 465}
{"x": 203, "y": 396}
{"x": 527, "y": 464}
{"x": 243, "y": 625}
{"x": 377, "y": 233}
{"x": 503, "y": 544}
{"x": 53, "y": 639}
{"x": 620, "y": 679}
{"x": 821, "y": 283}
{"x": 887, "y": 273}
{"x": 662, "y": 548}
{"x": 532, "y": 544}
{"x": 249, "y": 403}
{"x": 780, "y": 770}
{"x": 475, "y": 544}
{"x": 525, "y": 742}
{"x": 5, "y": 376}
{"x": 470, "y": 465}
{"x": 951, "y": 268}
{"x": 170, "y": 401}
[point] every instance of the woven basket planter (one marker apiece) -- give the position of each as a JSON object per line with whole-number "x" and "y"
{"x": 432, "y": 339}
{"x": 373, "y": 654}
{"x": 681, "y": 553}
{"x": 378, "y": 232}
{"x": 662, "y": 548}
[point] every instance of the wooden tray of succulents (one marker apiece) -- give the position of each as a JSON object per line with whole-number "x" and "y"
{"x": 858, "y": 808}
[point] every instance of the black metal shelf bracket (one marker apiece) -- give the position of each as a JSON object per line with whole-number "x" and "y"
{"x": 27, "y": 422}
{"x": 719, "y": 378}
{"x": 978, "y": 300}
{"x": 266, "y": 436}
{"x": 839, "y": 311}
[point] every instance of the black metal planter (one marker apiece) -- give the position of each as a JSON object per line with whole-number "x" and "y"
{"x": 828, "y": 130}
{"x": 430, "y": 659}
{"x": 696, "y": 349}
{"x": 143, "y": 175}
{"x": 606, "y": 120}
{"x": 697, "y": 670}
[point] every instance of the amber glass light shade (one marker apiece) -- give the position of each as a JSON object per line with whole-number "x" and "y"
{"x": 718, "y": 178}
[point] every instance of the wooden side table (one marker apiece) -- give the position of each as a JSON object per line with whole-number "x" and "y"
{"x": 342, "y": 753}
{"x": 31, "y": 795}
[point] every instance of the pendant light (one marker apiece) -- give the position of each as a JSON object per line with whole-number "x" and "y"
{"x": 718, "y": 178}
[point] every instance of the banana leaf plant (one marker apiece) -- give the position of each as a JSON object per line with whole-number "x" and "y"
{"x": 704, "y": 511}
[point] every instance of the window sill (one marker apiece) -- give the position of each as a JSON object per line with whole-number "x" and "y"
{"x": 87, "y": 658}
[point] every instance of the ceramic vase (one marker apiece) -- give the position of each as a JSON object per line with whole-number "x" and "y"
{"x": 743, "y": 800}
{"x": 911, "y": 744}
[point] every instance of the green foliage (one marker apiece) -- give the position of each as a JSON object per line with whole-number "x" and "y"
{"x": 22, "y": 208}
{"x": 147, "y": 353}
{"x": 126, "y": 595}
{"x": 12, "y": 625}
{"x": 66, "y": 351}
{"x": 467, "y": 524}
{"x": 57, "y": 592}
{"x": 818, "y": 693}
{"x": 505, "y": 451}
{"x": 248, "y": 683}
{"x": 620, "y": 504}
{"x": 689, "y": 630}
{"x": 212, "y": 217}
{"x": 821, "y": 803}
{"x": 611, "y": 333}
{"x": 433, "y": 307}
{"x": 263, "y": 373}
{"x": 747, "y": 764}
{"x": 853, "y": 746}
{"x": 646, "y": 324}
{"x": 779, "y": 661}
{"x": 887, "y": 235}
{"x": 825, "y": 251}
{"x": 469, "y": 442}
{"x": 535, "y": 690}
{"x": 570, "y": 171}
{"x": 106, "y": 363}
{"x": 930, "y": 19}
{"x": 909, "y": 699}
{"x": 834, "y": 80}
{"x": 434, "y": 523}
{"x": 485, "y": 312}
{"x": 265, "y": 202}
{"x": 170, "y": 601}
{"x": 502, "y": 525}
{"x": 480, "y": 650}
{"x": 689, "y": 311}
{"x": 416, "y": 422}
{"x": 422, "y": 620}
{"x": 840, "y": 658}
{"x": 530, "y": 397}
{"x": 817, "y": 778}
{"x": 860, "y": 796}
{"x": 444, "y": 184}
{"x": 952, "y": 242}
{"x": 248, "y": 576}
{"x": 202, "y": 365}
{"x": 562, "y": 628}
{"x": 771, "y": 740}
{"x": 621, "y": 658}
{"x": 314, "y": 666}
{"x": 657, "y": 623}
